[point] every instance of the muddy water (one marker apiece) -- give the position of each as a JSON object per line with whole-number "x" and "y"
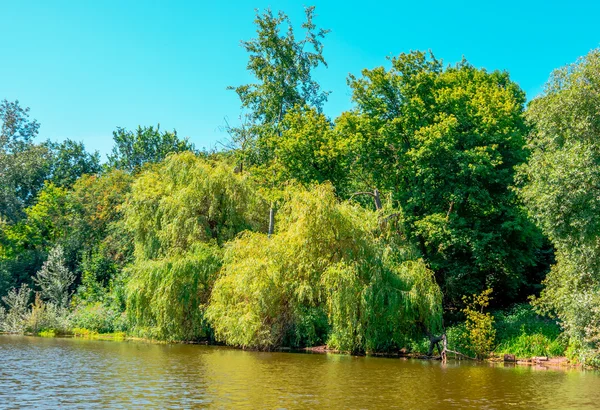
{"x": 51, "y": 373}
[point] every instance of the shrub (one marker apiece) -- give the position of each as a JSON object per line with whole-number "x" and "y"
{"x": 479, "y": 325}
{"x": 97, "y": 317}
{"x": 16, "y": 316}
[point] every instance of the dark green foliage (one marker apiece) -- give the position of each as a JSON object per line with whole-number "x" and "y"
{"x": 560, "y": 186}
{"x": 70, "y": 161}
{"x": 444, "y": 142}
{"x": 146, "y": 145}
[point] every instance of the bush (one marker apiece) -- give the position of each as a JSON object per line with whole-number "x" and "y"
{"x": 97, "y": 317}
{"x": 479, "y": 325}
{"x": 14, "y": 319}
{"x": 47, "y": 317}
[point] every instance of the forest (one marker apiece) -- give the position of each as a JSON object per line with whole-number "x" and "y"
{"x": 445, "y": 202}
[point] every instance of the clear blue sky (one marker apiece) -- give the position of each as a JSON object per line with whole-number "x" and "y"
{"x": 85, "y": 67}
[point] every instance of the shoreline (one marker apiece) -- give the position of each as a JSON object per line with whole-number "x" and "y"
{"x": 558, "y": 362}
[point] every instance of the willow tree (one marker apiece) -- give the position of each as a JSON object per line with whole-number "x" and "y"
{"x": 444, "y": 142}
{"x": 180, "y": 212}
{"x": 325, "y": 276}
{"x": 561, "y": 187}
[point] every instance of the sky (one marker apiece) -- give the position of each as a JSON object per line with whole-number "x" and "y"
{"x": 86, "y": 67}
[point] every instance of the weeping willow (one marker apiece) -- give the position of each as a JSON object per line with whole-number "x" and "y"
{"x": 186, "y": 199}
{"x": 166, "y": 297}
{"x": 325, "y": 276}
{"x": 181, "y": 211}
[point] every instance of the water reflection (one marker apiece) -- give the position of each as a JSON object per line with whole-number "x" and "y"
{"x": 77, "y": 373}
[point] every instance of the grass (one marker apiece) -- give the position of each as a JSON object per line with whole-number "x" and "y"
{"x": 520, "y": 331}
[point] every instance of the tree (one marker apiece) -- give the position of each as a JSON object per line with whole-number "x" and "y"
{"x": 283, "y": 67}
{"x": 70, "y": 161}
{"x": 324, "y": 276}
{"x": 560, "y": 185}
{"x": 185, "y": 200}
{"x": 443, "y": 142}
{"x": 55, "y": 279}
{"x": 146, "y": 145}
{"x": 181, "y": 212}
{"x": 23, "y": 164}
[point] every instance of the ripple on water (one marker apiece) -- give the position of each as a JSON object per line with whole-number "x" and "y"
{"x": 69, "y": 373}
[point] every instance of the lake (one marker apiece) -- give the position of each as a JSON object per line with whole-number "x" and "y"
{"x": 77, "y": 373}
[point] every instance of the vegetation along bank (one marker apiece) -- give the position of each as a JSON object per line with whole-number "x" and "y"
{"x": 441, "y": 204}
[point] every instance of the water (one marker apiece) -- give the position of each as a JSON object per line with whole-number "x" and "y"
{"x": 50, "y": 373}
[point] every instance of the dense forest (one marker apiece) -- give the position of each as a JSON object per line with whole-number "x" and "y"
{"x": 442, "y": 203}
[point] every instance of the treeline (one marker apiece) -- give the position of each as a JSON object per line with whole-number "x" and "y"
{"x": 365, "y": 232}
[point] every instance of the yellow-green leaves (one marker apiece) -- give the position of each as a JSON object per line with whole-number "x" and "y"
{"x": 324, "y": 276}
{"x": 480, "y": 326}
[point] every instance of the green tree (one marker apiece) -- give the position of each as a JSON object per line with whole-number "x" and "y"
{"x": 180, "y": 212}
{"x": 283, "y": 68}
{"x": 70, "y": 161}
{"x": 323, "y": 276}
{"x": 444, "y": 143}
{"x": 23, "y": 164}
{"x": 146, "y": 145}
{"x": 561, "y": 187}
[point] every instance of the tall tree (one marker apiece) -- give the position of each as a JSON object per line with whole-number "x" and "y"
{"x": 70, "y": 161}
{"x": 55, "y": 279}
{"x": 282, "y": 66}
{"x": 443, "y": 142}
{"x": 561, "y": 187}
{"x": 23, "y": 164}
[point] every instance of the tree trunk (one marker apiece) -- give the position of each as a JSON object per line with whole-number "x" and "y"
{"x": 271, "y": 220}
{"x": 377, "y": 199}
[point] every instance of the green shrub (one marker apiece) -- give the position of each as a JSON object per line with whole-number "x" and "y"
{"x": 479, "y": 325}
{"x": 97, "y": 317}
{"x": 522, "y": 332}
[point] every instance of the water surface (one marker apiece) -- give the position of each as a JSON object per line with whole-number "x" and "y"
{"x": 50, "y": 373}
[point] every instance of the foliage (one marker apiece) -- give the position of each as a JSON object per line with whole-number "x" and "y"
{"x": 55, "y": 279}
{"x": 310, "y": 150}
{"x": 48, "y": 317}
{"x": 560, "y": 186}
{"x": 522, "y": 332}
{"x": 324, "y": 259}
{"x": 478, "y": 325}
{"x": 146, "y": 145}
{"x": 166, "y": 297}
{"x": 187, "y": 199}
{"x": 16, "y": 314}
{"x": 97, "y": 317}
{"x": 23, "y": 164}
{"x": 70, "y": 161}
{"x": 444, "y": 142}
{"x": 283, "y": 68}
